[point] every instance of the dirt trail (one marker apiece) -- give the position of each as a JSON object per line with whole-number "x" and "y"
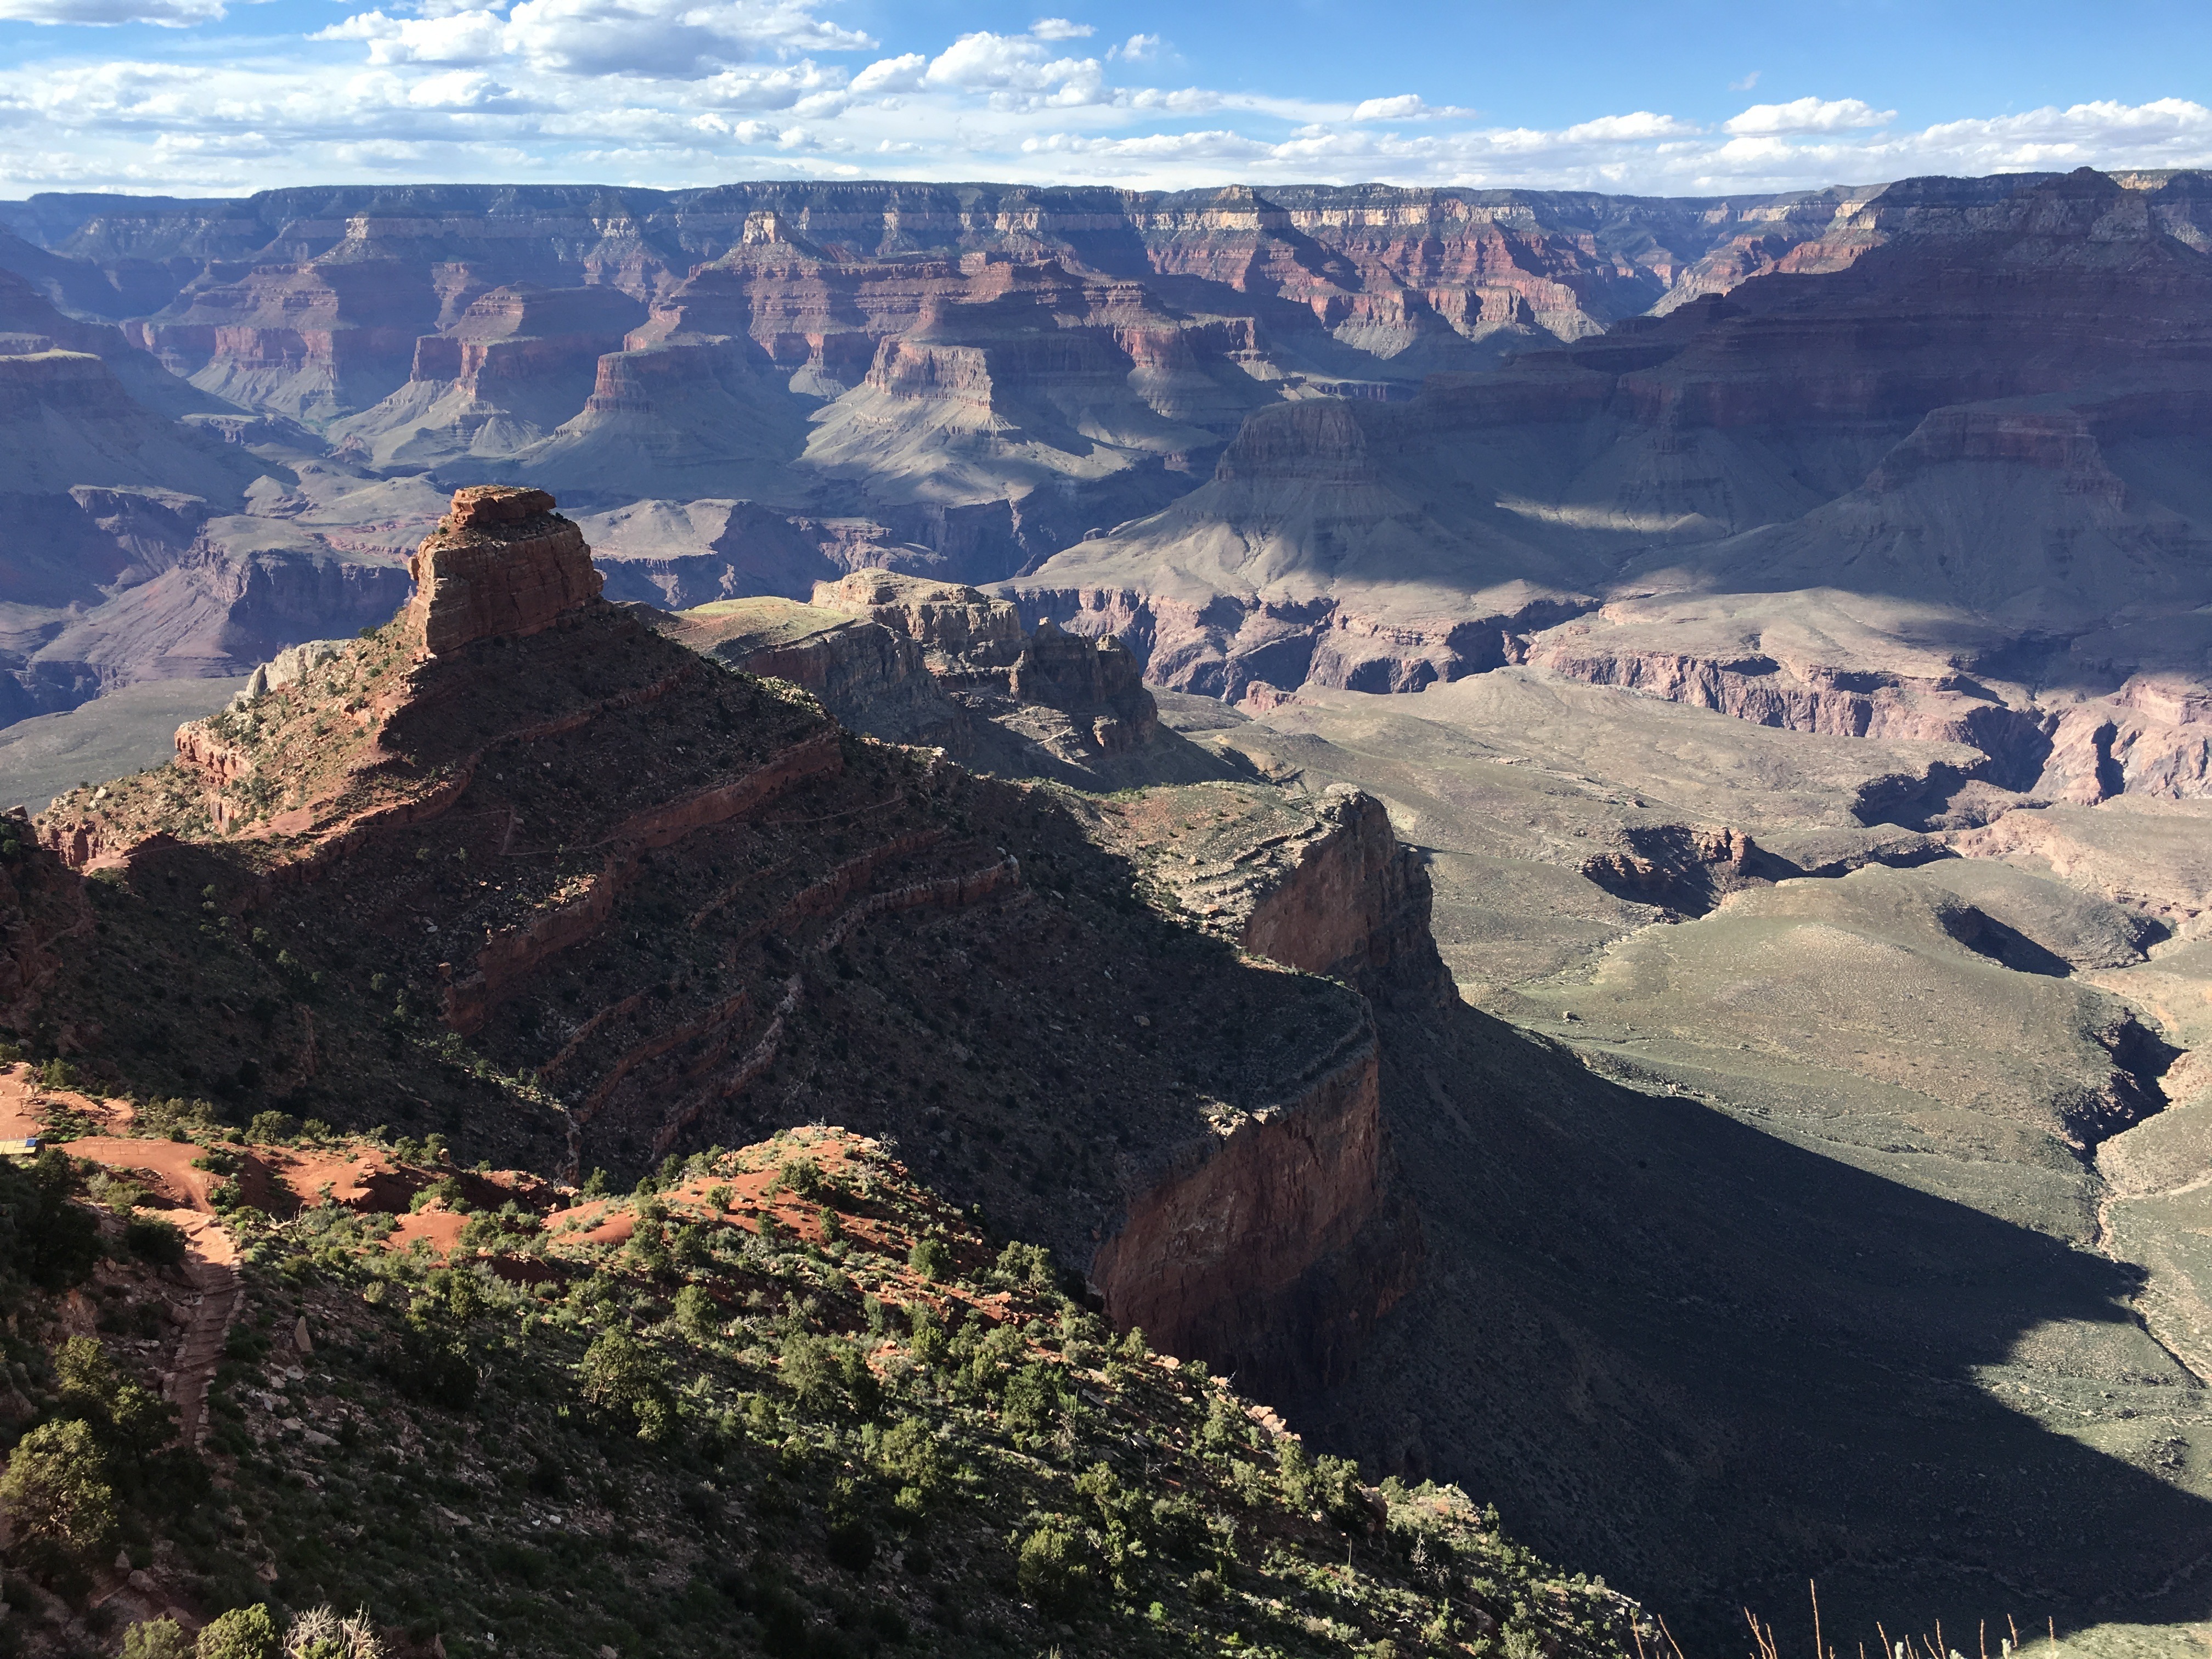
{"x": 210, "y": 1256}
{"x": 209, "y": 1263}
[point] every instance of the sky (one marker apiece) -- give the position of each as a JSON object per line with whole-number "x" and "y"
{"x": 1684, "y": 98}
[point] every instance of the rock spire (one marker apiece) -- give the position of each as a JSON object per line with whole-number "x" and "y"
{"x": 502, "y": 562}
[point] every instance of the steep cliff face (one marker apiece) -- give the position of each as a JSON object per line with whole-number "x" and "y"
{"x": 42, "y": 906}
{"x": 311, "y": 341}
{"x": 1354, "y": 905}
{"x": 1278, "y": 1246}
{"x": 1272, "y": 1249}
{"x": 519, "y": 362}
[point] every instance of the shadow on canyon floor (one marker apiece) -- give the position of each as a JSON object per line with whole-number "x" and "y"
{"x": 1712, "y": 1364}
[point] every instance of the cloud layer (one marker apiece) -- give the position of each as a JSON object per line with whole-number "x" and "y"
{"x": 685, "y": 92}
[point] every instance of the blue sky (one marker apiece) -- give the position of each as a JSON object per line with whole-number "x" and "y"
{"x": 1692, "y": 97}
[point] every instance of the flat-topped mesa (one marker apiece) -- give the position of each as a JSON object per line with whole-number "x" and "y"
{"x": 953, "y": 621}
{"x": 502, "y": 563}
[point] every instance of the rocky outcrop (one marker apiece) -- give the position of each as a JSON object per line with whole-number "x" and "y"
{"x": 870, "y": 678}
{"x": 911, "y": 660}
{"x": 502, "y": 563}
{"x": 1273, "y": 1249}
{"x": 42, "y": 904}
{"x": 1685, "y": 869}
{"x": 948, "y": 620}
{"x": 1096, "y": 680}
{"x": 1354, "y": 904}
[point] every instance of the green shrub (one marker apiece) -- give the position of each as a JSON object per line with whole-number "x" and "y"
{"x": 908, "y": 1458}
{"x": 241, "y": 1633}
{"x": 1225, "y": 1429}
{"x": 128, "y": 1418}
{"x": 810, "y": 1371}
{"x": 930, "y": 1259}
{"x": 695, "y": 1312}
{"x": 270, "y": 1128}
{"x": 60, "y": 1501}
{"x": 1032, "y": 1399}
{"x": 158, "y": 1241}
{"x": 1052, "y": 1571}
{"x": 44, "y": 1236}
{"x": 927, "y": 1342}
{"x": 113, "y": 1193}
{"x": 1024, "y": 1264}
{"x": 156, "y": 1639}
{"x": 1336, "y": 1486}
{"x": 802, "y": 1174}
{"x": 619, "y": 1379}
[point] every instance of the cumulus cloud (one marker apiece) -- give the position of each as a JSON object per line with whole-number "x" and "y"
{"x": 658, "y": 38}
{"x": 683, "y": 92}
{"x": 1389, "y": 109}
{"x": 1627, "y": 128}
{"x": 165, "y": 14}
{"x": 901, "y": 74}
{"x": 1810, "y": 115}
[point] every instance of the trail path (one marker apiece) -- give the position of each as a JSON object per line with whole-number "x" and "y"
{"x": 210, "y": 1263}
{"x": 210, "y": 1256}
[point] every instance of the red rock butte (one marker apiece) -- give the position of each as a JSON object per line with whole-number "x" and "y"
{"x": 501, "y": 563}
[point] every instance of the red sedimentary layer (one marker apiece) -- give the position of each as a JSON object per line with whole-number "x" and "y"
{"x": 502, "y": 562}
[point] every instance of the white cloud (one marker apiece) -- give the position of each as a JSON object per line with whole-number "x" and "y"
{"x": 1747, "y": 83}
{"x": 465, "y": 36}
{"x": 1400, "y": 108}
{"x": 1627, "y": 128}
{"x": 456, "y": 89}
{"x": 1059, "y": 28}
{"x": 661, "y": 39}
{"x": 1810, "y": 115}
{"x": 683, "y": 92}
{"x": 902, "y": 74}
{"x": 166, "y": 13}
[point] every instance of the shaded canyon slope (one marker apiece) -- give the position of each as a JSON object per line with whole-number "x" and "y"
{"x": 520, "y": 869}
{"x": 1894, "y": 1229}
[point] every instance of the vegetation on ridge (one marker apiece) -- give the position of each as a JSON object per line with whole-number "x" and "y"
{"x": 781, "y": 1400}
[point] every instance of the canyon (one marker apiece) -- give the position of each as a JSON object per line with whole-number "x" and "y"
{"x": 1568, "y": 832}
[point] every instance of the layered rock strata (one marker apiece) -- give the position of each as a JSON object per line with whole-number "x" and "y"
{"x": 502, "y": 563}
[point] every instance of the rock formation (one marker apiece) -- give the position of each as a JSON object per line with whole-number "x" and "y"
{"x": 1854, "y": 494}
{"x": 502, "y": 564}
{"x": 908, "y": 660}
{"x": 652, "y": 899}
